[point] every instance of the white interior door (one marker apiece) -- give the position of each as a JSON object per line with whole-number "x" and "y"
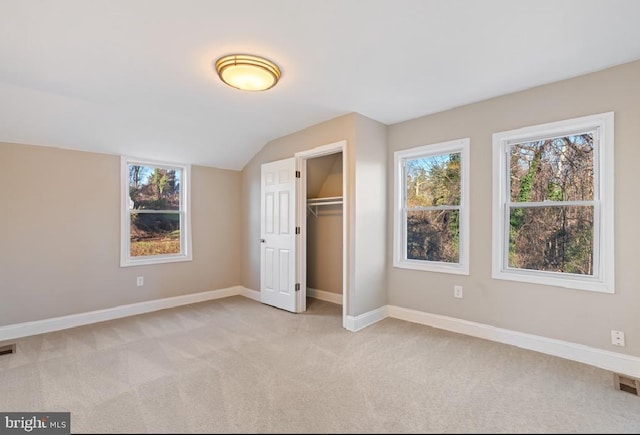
{"x": 278, "y": 235}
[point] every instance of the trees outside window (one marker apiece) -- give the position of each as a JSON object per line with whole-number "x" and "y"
{"x": 431, "y": 207}
{"x": 553, "y": 199}
{"x": 155, "y": 223}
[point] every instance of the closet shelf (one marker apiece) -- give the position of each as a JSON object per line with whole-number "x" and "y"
{"x": 314, "y": 203}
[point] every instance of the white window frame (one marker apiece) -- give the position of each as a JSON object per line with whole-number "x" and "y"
{"x": 126, "y": 259}
{"x": 400, "y": 259}
{"x": 603, "y": 244}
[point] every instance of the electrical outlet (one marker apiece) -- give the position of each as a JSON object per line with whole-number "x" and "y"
{"x": 140, "y": 281}
{"x": 457, "y": 291}
{"x": 617, "y": 338}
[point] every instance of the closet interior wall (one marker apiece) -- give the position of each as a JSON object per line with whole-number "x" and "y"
{"x": 324, "y": 224}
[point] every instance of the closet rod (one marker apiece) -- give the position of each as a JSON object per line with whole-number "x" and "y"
{"x": 319, "y": 201}
{"x": 328, "y": 200}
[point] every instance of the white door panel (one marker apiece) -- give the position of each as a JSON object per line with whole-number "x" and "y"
{"x": 268, "y": 216}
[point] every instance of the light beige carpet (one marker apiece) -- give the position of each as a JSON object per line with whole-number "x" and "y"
{"x": 235, "y": 365}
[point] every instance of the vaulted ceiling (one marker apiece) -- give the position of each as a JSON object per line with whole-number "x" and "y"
{"x": 135, "y": 77}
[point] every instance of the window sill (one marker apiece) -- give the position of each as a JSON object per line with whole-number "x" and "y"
{"x": 456, "y": 269}
{"x": 555, "y": 279}
{"x": 154, "y": 260}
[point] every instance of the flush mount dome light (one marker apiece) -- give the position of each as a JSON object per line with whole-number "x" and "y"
{"x": 246, "y": 72}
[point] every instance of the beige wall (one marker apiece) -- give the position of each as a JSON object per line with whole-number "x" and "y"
{"x": 371, "y": 217}
{"x": 60, "y": 236}
{"x": 572, "y": 315}
{"x": 332, "y": 184}
{"x": 324, "y": 249}
{"x": 366, "y": 207}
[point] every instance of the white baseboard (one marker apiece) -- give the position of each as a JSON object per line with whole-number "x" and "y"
{"x": 251, "y": 294}
{"x": 335, "y": 298}
{"x": 311, "y": 292}
{"x": 18, "y": 330}
{"x": 357, "y": 323}
{"x": 604, "y": 359}
{"x": 612, "y": 361}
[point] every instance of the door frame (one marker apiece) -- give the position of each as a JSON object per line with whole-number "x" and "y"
{"x": 301, "y": 206}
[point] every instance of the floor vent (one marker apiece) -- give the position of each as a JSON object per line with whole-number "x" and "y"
{"x": 7, "y": 349}
{"x": 626, "y": 383}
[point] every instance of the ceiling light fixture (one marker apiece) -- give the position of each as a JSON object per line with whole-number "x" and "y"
{"x": 248, "y": 73}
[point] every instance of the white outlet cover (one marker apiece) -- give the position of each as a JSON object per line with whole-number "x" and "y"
{"x": 617, "y": 338}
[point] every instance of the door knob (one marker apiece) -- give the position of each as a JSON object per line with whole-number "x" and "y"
{"x": 262, "y": 240}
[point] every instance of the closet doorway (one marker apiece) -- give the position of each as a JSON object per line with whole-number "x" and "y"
{"x": 322, "y": 200}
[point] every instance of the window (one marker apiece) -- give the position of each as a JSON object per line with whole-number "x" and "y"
{"x": 155, "y": 213}
{"x": 431, "y": 213}
{"x": 553, "y": 204}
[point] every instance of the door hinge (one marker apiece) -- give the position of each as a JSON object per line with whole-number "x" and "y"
{"x": 297, "y": 230}
{"x": 297, "y": 174}
{"x": 297, "y": 286}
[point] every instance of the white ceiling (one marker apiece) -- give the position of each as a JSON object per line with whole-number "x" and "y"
{"x": 135, "y": 77}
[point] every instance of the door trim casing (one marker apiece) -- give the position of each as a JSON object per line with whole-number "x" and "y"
{"x": 301, "y": 218}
